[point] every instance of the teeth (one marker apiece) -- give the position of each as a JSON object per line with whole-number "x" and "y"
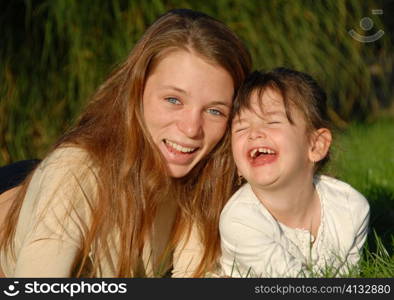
{"x": 253, "y": 152}
{"x": 266, "y": 151}
{"x": 179, "y": 147}
{"x": 261, "y": 150}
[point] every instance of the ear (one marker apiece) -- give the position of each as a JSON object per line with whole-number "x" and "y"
{"x": 320, "y": 144}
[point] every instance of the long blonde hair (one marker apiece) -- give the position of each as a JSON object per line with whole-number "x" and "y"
{"x": 132, "y": 174}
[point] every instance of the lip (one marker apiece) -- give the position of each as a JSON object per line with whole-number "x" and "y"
{"x": 262, "y": 159}
{"x": 174, "y": 156}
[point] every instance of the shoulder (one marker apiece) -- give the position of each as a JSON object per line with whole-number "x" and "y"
{"x": 243, "y": 201}
{"x": 342, "y": 195}
{"x": 67, "y": 157}
{"x": 244, "y": 210}
{"x": 65, "y": 161}
{"x": 65, "y": 174}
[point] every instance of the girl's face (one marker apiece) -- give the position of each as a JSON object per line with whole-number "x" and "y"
{"x": 187, "y": 102}
{"x": 268, "y": 150}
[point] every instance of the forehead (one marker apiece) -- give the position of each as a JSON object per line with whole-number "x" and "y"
{"x": 193, "y": 74}
{"x": 263, "y": 102}
{"x": 266, "y": 100}
{"x": 267, "y": 103}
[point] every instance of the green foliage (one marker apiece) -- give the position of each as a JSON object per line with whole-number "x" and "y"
{"x": 363, "y": 157}
{"x": 377, "y": 262}
{"x": 55, "y": 53}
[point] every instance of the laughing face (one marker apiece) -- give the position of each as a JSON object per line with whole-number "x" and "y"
{"x": 268, "y": 150}
{"x": 187, "y": 102}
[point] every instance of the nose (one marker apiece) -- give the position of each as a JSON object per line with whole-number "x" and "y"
{"x": 190, "y": 123}
{"x": 256, "y": 133}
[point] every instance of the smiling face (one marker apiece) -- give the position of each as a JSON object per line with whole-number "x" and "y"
{"x": 187, "y": 102}
{"x": 268, "y": 150}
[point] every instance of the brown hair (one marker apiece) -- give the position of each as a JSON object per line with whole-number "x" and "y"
{"x": 297, "y": 89}
{"x": 132, "y": 176}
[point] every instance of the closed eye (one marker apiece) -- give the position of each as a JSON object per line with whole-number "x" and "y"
{"x": 173, "y": 100}
{"x": 239, "y": 129}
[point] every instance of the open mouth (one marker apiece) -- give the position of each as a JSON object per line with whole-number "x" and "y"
{"x": 262, "y": 155}
{"x": 179, "y": 149}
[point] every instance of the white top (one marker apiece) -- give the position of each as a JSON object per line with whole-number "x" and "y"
{"x": 255, "y": 244}
{"x": 49, "y": 233}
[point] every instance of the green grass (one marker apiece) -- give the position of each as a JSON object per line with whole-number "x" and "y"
{"x": 378, "y": 259}
{"x": 363, "y": 156}
{"x": 55, "y": 53}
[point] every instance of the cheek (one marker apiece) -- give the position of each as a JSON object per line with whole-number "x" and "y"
{"x": 147, "y": 111}
{"x": 214, "y": 132}
{"x": 285, "y": 138}
{"x": 294, "y": 144}
{"x": 236, "y": 147}
{"x": 150, "y": 121}
{"x": 155, "y": 118}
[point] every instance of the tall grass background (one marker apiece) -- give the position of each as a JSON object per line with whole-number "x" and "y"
{"x": 55, "y": 53}
{"x": 363, "y": 156}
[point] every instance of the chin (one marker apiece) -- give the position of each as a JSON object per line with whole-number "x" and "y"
{"x": 179, "y": 172}
{"x": 264, "y": 182}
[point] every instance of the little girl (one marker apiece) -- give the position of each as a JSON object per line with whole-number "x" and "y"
{"x": 287, "y": 221}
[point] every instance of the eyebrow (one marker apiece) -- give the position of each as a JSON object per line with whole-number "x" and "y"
{"x": 220, "y": 103}
{"x": 171, "y": 87}
{"x": 275, "y": 112}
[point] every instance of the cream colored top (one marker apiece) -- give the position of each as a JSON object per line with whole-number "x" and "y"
{"x": 49, "y": 233}
{"x": 255, "y": 244}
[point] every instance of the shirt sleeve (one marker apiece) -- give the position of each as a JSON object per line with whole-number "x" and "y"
{"x": 361, "y": 213}
{"x": 253, "y": 247}
{"x": 53, "y": 217}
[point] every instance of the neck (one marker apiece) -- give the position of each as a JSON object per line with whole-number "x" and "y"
{"x": 295, "y": 203}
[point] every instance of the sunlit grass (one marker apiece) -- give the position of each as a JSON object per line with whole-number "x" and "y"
{"x": 363, "y": 156}
{"x": 55, "y": 53}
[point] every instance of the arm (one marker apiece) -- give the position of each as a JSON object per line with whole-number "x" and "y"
{"x": 53, "y": 217}
{"x": 360, "y": 214}
{"x": 254, "y": 249}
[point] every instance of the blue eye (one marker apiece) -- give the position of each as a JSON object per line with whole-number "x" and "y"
{"x": 173, "y": 100}
{"x": 215, "y": 112}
